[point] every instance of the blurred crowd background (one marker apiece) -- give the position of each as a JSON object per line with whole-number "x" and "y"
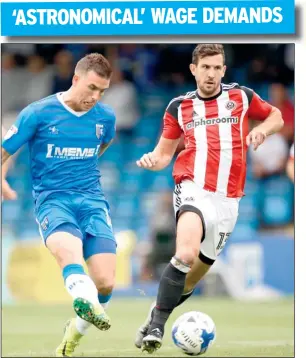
{"x": 145, "y": 79}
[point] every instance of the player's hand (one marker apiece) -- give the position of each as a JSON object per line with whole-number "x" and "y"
{"x": 7, "y": 192}
{"x": 255, "y": 137}
{"x": 148, "y": 160}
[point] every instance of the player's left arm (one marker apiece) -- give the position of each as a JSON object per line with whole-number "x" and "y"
{"x": 270, "y": 116}
{"x": 103, "y": 147}
{"x": 109, "y": 132}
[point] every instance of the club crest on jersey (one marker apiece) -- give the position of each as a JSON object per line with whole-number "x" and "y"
{"x": 99, "y": 130}
{"x": 230, "y": 105}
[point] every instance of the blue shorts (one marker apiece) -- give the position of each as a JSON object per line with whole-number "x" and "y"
{"x": 84, "y": 217}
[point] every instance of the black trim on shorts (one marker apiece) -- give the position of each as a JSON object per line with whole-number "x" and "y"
{"x": 185, "y": 208}
{"x": 206, "y": 260}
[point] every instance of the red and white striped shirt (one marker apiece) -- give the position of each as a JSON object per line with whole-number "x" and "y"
{"x": 215, "y": 131}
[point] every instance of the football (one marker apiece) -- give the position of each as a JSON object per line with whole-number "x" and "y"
{"x": 193, "y": 332}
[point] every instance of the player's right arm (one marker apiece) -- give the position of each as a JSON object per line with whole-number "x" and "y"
{"x": 161, "y": 156}
{"x": 7, "y": 192}
{"x": 163, "y": 153}
{"x": 20, "y": 132}
{"x": 4, "y": 157}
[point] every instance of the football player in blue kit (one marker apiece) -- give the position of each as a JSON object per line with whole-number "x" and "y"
{"x": 66, "y": 133}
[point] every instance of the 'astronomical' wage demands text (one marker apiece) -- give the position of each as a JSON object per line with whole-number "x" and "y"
{"x": 139, "y": 16}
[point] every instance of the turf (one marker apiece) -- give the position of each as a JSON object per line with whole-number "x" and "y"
{"x": 244, "y": 329}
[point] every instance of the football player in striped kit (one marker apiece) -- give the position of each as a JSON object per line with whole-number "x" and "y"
{"x": 209, "y": 174}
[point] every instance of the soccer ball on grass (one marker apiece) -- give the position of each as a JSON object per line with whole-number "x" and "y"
{"x": 193, "y": 332}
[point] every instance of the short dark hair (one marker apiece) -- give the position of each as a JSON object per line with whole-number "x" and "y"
{"x": 94, "y": 62}
{"x": 204, "y": 50}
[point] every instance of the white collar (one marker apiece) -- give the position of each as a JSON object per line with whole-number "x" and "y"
{"x": 59, "y": 96}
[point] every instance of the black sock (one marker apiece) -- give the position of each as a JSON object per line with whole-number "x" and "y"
{"x": 170, "y": 291}
{"x": 184, "y": 297}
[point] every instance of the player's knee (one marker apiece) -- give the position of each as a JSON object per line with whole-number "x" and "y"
{"x": 187, "y": 254}
{"x": 105, "y": 285}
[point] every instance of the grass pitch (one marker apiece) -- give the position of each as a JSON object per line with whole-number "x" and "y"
{"x": 244, "y": 329}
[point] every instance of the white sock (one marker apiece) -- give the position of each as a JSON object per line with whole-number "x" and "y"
{"x": 82, "y": 325}
{"x": 82, "y": 286}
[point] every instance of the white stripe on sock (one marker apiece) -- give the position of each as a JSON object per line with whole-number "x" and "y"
{"x": 181, "y": 266}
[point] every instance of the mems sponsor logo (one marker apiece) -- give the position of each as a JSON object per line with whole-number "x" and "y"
{"x": 70, "y": 152}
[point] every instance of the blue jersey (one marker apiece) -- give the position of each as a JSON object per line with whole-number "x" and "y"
{"x": 63, "y": 145}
